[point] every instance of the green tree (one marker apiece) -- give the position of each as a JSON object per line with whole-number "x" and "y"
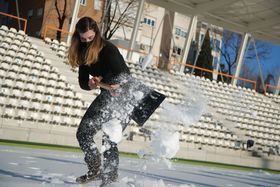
{"x": 205, "y": 58}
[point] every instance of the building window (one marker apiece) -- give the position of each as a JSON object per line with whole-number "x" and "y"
{"x": 37, "y": 33}
{"x": 83, "y": 2}
{"x": 180, "y": 32}
{"x": 149, "y": 21}
{"x": 177, "y": 50}
{"x": 201, "y": 39}
{"x": 184, "y": 34}
{"x": 216, "y": 43}
{"x": 39, "y": 11}
{"x": 29, "y": 13}
{"x": 177, "y": 31}
{"x": 97, "y": 5}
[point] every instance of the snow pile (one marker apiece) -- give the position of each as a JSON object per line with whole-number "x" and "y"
{"x": 113, "y": 129}
{"x": 165, "y": 143}
{"x": 187, "y": 112}
{"x": 165, "y": 138}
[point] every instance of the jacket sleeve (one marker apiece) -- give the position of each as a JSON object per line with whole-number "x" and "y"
{"x": 83, "y": 77}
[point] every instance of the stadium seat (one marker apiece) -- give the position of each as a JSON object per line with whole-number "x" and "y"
{"x": 9, "y": 113}
{"x": 47, "y": 40}
{"x": 21, "y": 114}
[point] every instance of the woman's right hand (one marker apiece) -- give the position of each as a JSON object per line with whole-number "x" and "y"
{"x": 92, "y": 83}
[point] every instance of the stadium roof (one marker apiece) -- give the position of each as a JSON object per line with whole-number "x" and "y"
{"x": 260, "y": 18}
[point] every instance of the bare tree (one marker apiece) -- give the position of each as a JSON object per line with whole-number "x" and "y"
{"x": 62, "y": 15}
{"x": 118, "y": 14}
{"x": 230, "y": 47}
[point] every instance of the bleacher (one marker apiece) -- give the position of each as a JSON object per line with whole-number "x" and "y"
{"x": 34, "y": 90}
{"x": 31, "y": 89}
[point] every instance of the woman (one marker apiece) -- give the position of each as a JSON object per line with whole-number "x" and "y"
{"x": 102, "y": 60}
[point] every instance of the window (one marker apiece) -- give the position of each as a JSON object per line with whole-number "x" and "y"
{"x": 180, "y": 32}
{"x": 216, "y": 43}
{"x": 37, "y": 33}
{"x": 201, "y": 38}
{"x": 149, "y": 21}
{"x": 177, "y": 31}
{"x": 83, "y": 2}
{"x": 97, "y": 5}
{"x": 29, "y": 13}
{"x": 145, "y": 20}
{"x": 39, "y": 11}
{"x": 184, "y": 34}
{"x": 177, "y": 50}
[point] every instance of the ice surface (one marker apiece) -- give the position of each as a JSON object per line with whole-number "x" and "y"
{"x": 61, "y": 168}
{"x": 13, "y": 163}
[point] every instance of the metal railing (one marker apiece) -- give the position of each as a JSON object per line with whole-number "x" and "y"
{"x": 50, "y": 27}
{"x": 270, "y": 86}
{"x": 18, "y": 18}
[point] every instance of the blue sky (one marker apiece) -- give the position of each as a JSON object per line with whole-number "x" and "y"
{"x": 270, "y": 64}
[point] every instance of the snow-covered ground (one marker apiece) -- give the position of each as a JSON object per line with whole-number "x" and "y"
{"x": 33, "y": 167}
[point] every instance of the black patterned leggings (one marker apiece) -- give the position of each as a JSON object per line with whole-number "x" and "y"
{"x": 99, "y": 112}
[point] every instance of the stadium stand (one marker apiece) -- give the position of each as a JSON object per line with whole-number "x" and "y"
{"x": 38, "y": 90}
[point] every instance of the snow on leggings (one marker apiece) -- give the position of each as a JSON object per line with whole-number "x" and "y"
{"x": 101, "y": 110}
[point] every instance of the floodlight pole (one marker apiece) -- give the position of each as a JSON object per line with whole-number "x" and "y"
{"x": 73, "y": 21}
{"x": 191, "y": 32}
{"x": 19, "y": 25}
{"x": 135, "y": 29}
{"x": 240, "y": 56}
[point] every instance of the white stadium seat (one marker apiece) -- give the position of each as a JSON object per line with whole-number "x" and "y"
{"x": 22, "y": 114}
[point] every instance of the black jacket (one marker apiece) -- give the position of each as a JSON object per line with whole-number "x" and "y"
{"x": 110, "y": 65}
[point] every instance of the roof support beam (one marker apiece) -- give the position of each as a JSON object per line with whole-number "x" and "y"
{"x": 135, "y": 29}
{"x": 263, "y": 24}
{"x": 212, "y": 5}
{"x": 257, "y": 29}
{"x": 240, "y": 56}
{"x": 191, "y": 33}
{"x": 173, "y": 6}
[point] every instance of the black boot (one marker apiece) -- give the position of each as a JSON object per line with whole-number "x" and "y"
{"x": 94, "y": 172}
{"x": 90, "y": 176}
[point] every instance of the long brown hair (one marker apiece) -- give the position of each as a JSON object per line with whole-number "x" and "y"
{"x": 77, "y": 55}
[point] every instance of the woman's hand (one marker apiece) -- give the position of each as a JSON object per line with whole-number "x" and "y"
{"x": 92, "y": 83}
{"x": 114, "y": 89}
